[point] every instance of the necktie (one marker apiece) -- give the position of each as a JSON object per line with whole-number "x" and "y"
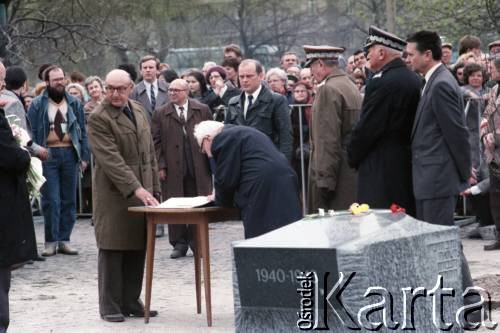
{"x": 183, "y": 120}
{"x": 129, "y": 114}
{"x": 153, "y": 98}
{"x": 250, "y": 99}
{"x": 58, "y": 120}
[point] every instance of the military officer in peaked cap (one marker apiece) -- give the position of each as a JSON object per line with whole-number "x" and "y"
{"x": 494, "y": 47}
{"x": 447, "y": 51}
{"x": 334, "y": 112}
{"x": 380, "y": 141}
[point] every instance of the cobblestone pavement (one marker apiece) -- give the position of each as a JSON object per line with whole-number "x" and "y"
{"x": 60, "y": 294}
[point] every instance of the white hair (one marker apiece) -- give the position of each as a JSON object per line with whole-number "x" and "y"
{"x": 207, "y": 128}
{"x": 277, "y": 71}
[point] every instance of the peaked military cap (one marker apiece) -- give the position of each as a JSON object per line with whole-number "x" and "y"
{"x": 321, "y": 52}
{"x": 382, "y": 37}
{"x": 448, "y": 45}
{"x": 493, "y": 44}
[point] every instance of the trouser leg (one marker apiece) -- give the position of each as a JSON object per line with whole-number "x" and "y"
{"x": 110, "y": 281}
{"x": 481, "y": 205}
{"x": 51, "y": 197}
{"x": 495, "y": 201}
{"x": 4, "y": 298}
{"x": 437, "y": 211}
{"x": 132, "y": 273}
{"x": 68, "y": 186}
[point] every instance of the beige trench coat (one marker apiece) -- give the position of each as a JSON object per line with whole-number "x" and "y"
{"x": 124, "y": 161}
{"x": 336, "y": 107}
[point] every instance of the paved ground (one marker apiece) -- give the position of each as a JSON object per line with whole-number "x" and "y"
{"x": 60, "y": 295}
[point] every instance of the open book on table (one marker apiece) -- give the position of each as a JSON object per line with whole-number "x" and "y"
{"x": 186, "y": 202}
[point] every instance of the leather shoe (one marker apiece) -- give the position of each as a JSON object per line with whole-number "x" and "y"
{"x": 177, "y": 253}
{"x": 49, "y": 250}
{"x": 66, "y": 249}
{"x": 140, "y": 313}
{"x": 113, "y": 318}
{"x": 39, "y": 258}
{"x": 493, "y": 246}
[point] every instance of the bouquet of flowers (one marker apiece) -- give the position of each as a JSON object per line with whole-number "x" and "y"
{"x": 35, "y": 173}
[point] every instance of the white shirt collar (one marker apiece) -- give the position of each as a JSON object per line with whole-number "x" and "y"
{"x": 255, "y": 94}
{"x": 185, "y": 106}
{"x": 431, "y": 71}
{"x": 429, "y": 74}
{"x": 148, "y": 85}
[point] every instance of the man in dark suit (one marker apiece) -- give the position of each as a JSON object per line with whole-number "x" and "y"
{"x": 150, "y": 92}
{"x": 440, "y": 140}
{"x": 441, "y": 160}
{"x": 380, "y": 141}
{"x": 252, "y": 175}
{"x": 260, "y": 108}
{"x": 183, "y": 170}
{"x": 17, "y": 234}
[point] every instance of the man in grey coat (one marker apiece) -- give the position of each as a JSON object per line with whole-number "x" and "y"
{"x": 441, "y": 159}
{"x": 150, "y": 92}
{"x": 440, "y": 140}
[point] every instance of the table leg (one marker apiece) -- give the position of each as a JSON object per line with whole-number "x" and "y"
{"x": 206, "y": 269}
{"x": 197, "y": 274}
{"x": 150, "y": 256}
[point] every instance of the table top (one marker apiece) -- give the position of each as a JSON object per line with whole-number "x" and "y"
{"x": 148, "y": 209}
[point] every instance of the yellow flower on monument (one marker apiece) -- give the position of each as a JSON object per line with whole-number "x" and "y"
{"x": 357, "y": 209}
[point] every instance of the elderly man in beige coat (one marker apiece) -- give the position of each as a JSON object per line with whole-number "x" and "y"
{"x": 125, "y": 175}
{"x": 336, "y": 107}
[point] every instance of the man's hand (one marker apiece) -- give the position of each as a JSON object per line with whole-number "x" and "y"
{"x": 489, "y": 140}
{"x": 84, "y": 166}
{"x": 465, "y": 193}
{"x": 43, "y": 154}
{"x": 146, "y": 197}
{"x": 162, "y": 174}
{"x": 211, "y": 196}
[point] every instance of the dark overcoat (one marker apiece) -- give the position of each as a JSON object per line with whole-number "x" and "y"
{"x": 269, "y": 113}
{"x": 17, "y": 234}
{"x": 168, "y": 137}
{"x": 254, "y": 176}
{"x": 335, "y": 110}
{"x": 380, "y": 141}
{"x": 124, "y": 161}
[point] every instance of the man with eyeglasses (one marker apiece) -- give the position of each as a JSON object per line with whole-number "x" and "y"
{"x": 183, "y": 170}
{"x": 125, "y": 175}
{"x": 58, "y": 125}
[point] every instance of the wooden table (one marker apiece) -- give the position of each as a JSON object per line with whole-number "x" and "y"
{"x": 199, "y": 218}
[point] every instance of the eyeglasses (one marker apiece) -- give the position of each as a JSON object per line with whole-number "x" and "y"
{"x": 175, "y": 91}
{"x": 120, "y": 90}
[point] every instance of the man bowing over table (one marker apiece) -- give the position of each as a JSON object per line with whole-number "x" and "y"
{"x": 251, "y": 174}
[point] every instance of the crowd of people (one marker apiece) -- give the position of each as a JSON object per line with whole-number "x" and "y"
{"x": 396, "y": 122}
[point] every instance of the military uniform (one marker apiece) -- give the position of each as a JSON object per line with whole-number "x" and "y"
{"x": 380, "y": 141}
{"x": 335, "y": 110}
